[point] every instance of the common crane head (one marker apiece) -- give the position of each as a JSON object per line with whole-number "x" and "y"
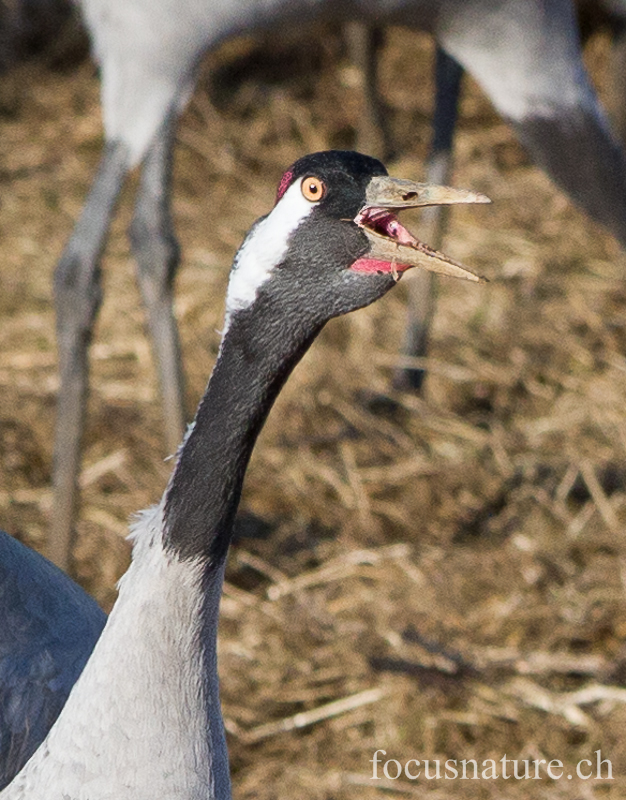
{"x": 332, "y": 242}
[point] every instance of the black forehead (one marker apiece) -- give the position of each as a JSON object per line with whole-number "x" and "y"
{"x": 335, "y": 168}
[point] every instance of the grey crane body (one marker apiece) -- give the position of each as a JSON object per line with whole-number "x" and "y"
{"x": 144, "y": 720}
{"x": 48, "y": 628}
{"x": 525, "y": 54}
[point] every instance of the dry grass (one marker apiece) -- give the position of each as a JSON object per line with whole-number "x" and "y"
{"x": 487, "y": 518}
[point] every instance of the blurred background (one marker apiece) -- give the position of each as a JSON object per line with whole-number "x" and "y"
{"x": 453, "y": 564}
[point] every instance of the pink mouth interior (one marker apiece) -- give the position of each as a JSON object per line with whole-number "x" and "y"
{"x": 384, "y": 222}
{"x": 387, "y": 224}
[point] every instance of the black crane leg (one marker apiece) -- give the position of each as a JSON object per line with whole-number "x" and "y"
{"x": 422, "y": 286}
{"x": 77, "y": 296}
{"x": 157, "y": 252}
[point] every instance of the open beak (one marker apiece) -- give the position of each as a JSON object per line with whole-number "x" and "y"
{"x": 392, "y": 247}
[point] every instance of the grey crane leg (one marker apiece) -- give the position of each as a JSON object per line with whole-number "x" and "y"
{"x": 422, "y": 284}
{"x": 77, "y": 296}
{"x": 373, "y": 135}
{"x": 618, "y": 84}
{"x": 595, "y": 15}
{"x": 157, "y": 253}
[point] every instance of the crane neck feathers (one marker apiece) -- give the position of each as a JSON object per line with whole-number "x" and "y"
{"x": 262, "y": 346}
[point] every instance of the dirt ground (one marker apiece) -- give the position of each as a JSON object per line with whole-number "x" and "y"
{"x": 450, "y": 570}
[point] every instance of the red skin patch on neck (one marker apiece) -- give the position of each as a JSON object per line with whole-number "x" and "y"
{"x": 374, "y": 265}
{"x": 284, "y": 184}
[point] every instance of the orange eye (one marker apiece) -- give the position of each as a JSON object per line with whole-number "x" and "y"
{"x": 313, "y": 189}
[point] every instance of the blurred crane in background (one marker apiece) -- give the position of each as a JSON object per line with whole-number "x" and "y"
{"x": 532, "y": 87}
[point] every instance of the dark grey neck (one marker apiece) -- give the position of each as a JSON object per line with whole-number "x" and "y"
{"x": 258, "y": 353}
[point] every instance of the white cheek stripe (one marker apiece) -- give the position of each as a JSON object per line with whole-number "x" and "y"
{"x": 264, "y": 248}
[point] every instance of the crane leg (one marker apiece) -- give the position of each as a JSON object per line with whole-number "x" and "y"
{"x": 156, "y": 250}
{"x": 422, "y": 286}
{"x": 618, "y": 84}
{"x": 77, "y": 296}
{"x": 364, "y": 43}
